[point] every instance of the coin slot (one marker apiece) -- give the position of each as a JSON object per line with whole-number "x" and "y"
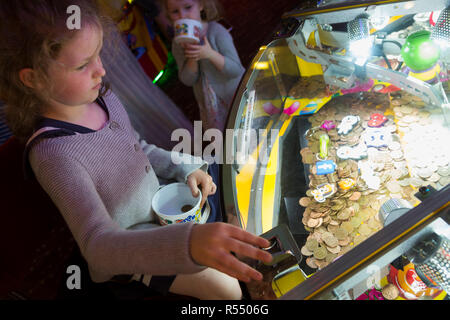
{"x": 275, "y": 246}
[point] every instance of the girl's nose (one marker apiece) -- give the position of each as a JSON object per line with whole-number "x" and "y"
{"x": 182, "y": 14}
{"x": 99, "y": 71}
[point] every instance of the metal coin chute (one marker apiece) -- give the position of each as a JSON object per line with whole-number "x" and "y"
{"x": 393, "y": 209}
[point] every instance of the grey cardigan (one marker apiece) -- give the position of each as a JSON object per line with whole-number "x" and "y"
{"x": 224, "y": 82}
{"x": 103, "y": 183}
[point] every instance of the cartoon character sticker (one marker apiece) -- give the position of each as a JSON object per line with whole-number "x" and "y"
{"x": 366, "y": 168}
{"x": 377, "y": 137}
{"x": 324, "y": 191}
{"x": 346, "y": 184}
{"x": 347, "y": 124}
{"x": 376, "y": 120}
{"x": 355, "y": 153}
{"x": 325, "y": 167}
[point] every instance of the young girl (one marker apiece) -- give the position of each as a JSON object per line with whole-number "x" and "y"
{"x": 98, "y": 172}
{"x": 214, "y": 63}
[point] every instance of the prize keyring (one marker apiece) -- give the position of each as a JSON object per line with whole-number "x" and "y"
{"x": 314, "y": 129}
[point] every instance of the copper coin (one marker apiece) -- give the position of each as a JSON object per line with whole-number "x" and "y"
{"x": 355, "y": 196}
{"x": 304, "y": 201}
{"x": 311, "y": 262}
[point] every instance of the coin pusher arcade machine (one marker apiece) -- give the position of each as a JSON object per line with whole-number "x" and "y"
{"x": 340, "y": 152}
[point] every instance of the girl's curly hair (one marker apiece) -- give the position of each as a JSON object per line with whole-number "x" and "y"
{"x": 33, "y": 33}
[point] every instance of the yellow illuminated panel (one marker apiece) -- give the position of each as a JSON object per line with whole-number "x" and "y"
{"x": 285, "y": 282}
{"x": 261, "y": 65}
{"x": 243, "y": 189}
{"x": 308, "y": 69}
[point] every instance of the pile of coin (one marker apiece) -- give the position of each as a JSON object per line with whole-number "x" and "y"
{"x": 309, "y": 87}
{"x": 424, "y": 141}
{"x": 350, "y": 216}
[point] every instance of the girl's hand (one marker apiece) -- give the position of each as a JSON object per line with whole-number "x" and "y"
{"x": 208, "y": 187}
{"x": 197, "y": 51}
{"x": 212, "y": 243}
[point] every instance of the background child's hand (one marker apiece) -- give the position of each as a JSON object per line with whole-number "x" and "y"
{"x": 197, "y": 51}
{"x": 212, "y": 243}
{"x": 205, "y": 181}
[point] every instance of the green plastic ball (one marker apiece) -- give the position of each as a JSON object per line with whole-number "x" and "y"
{"x": 419, "y": 52}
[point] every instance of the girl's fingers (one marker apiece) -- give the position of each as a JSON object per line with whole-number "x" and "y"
{"x": 247, "y": 250}
{"x": 193, "y": 186}
{"x": 232, "y": 266}
{"x": 248, "y": 237}
{"x": 204, "y": 197}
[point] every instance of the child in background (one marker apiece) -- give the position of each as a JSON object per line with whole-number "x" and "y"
{"x": 96, "y": 169}
{"x": 214, "y": 63}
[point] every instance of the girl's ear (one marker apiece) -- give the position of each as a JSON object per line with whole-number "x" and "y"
{"x": 26, "y": 75}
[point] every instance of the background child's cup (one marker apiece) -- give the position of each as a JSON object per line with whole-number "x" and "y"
{"x": 187, "y": 31}
{"x": 174, "y": 203}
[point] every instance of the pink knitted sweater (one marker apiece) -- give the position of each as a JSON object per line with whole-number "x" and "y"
{"x": 103, "y": 183}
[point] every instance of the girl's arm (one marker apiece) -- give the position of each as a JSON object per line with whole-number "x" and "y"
{"x": 179, "y": 166}
{"x": 106, "y": 246}
{"x": 225, "y": 59}
{"x": 225, "y": 46}
{"x": 171, "y": 165}
{"x": 222, "y": 54}
{"x": 112, "y": 250}
{"x": 187, "y": 68}
{"x": 194, "y": 53}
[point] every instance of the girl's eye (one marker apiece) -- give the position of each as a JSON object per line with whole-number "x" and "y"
{"x": 82, "y": 67}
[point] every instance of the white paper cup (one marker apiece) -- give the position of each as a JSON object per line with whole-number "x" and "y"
{"x": 170, "y": 201}
{"x": 187, "y": 31}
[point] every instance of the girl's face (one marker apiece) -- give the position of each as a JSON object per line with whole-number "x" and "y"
{"x": 184, "y": 9}
{"x": 77, "y": 72}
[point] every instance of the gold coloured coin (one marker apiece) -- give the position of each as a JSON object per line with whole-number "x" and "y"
{"x": 347, "y": 226}
{"x": 320, "y": 253}
{"x": 344, "y": 214}
{"x": 312, "y": 244}
{"x": 364, "y": 229}
{"x": 335, "y": 249}
{"x": 341, "y": 233}
{"x": 305, "y": 251}
{"x": 304, "y": 201}
{"x": 355, "y": 221}
{"x": 330, "y": 241}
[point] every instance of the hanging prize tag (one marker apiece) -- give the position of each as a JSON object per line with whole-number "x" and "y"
{"x": 324, "y": 143}
{"x": 325, "y": 167}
